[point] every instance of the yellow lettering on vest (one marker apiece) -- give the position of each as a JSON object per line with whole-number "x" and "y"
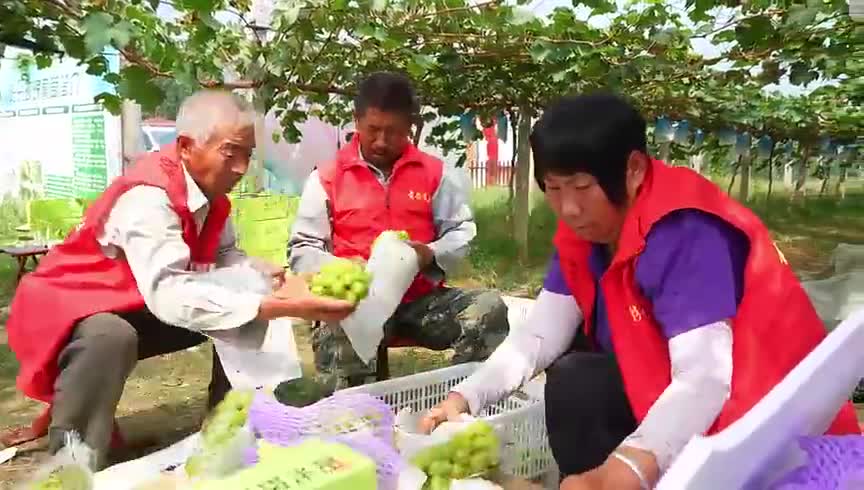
{"x": 635, "y": 313}
{"x": 411, "y": 195}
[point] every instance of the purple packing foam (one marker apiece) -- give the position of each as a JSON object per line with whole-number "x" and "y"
{"x": 359, "y": 421}
{"x": 833, "y": 463}
{"x": 338, "y": 414}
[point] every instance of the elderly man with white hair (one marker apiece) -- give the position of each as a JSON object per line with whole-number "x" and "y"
{"x": 131, "y": 282}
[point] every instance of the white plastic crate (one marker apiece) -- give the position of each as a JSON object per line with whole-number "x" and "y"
{"x": 520, "y": 418}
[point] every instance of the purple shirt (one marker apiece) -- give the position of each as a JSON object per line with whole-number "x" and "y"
{"x": 691, "y": 271}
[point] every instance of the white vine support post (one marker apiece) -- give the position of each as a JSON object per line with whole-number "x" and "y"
{"x": 696, "y": 162}
{"x": 522, "y": 204}
{"x": 262, "y": 14}
{"x": 131, "y": 145}
{"x": 788, "y": 170}
{"x": 130, "y": 122}
{"x": 535, "y": 194}
{"x": 665, "y": 151}
{"x": 800, "y": 191}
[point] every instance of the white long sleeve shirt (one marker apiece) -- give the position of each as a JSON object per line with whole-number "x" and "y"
{"x": 144, "y": 228}
{"x": 311, "y": 237}
{"x": 701, "y": 369}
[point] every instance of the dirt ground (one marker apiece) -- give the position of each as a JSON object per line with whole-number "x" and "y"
{"x": 164, "y": 400}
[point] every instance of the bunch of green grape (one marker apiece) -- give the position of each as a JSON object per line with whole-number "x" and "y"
{"x": 471, "y": 453}
{"x": 226, "y": 419}
{"x": 342, "y": 279}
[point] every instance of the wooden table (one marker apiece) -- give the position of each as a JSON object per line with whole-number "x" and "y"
{"x": 23, "y": 254}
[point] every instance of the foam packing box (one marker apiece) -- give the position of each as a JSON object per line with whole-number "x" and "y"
{"x": 311, "y": 465}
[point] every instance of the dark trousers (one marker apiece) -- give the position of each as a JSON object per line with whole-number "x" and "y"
{"x": 587, "y": 411}
{"x": 94, "y": 365}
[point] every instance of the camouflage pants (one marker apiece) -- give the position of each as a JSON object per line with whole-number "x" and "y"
{"x": 472, "y": 322}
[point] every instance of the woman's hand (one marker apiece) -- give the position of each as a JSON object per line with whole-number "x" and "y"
{"x": 450, "y": 409}
{"x": 614, "y": 474}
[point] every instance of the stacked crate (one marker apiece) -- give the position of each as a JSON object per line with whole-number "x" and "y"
{"x": 263, "y": 224}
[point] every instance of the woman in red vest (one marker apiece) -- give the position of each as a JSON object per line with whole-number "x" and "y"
{"x": 667, "y": 310}
{"x": 131, "y": 282}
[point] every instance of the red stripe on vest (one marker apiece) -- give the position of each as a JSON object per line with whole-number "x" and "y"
{"x": 76, "y": 280}
{"x": 361, "y": 208}
{"x": 775, "y": 327}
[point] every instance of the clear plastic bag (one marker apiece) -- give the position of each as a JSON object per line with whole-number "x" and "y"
{"x": 70, "y": 469}
{"x": 411, "y": 443}
{"x": 222, "y": 461}
{"x": 257, "y": 355}
{"x": 393, "y": 266}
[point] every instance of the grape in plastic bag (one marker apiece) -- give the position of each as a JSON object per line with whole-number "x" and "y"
{"x": 454, "y": 451}
{"x": 393, "y": 266}
{"x": 225, "y": 436}
{"x": 70, "y": 469}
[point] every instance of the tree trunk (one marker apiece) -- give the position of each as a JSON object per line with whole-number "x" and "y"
{"x": 798, "y": 192}
{"x": 770, "y": 171}
{"x": 826, "y": 179}
{"x": 734, "y": 174}
{"x": 418, "y": 132}
{"x": 522, "y": 204}
{"x": 257, "y": 168}
{"x": 514, "y": 121}
{"x": 744, "y": 166}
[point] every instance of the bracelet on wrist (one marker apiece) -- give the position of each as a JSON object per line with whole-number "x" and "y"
{"x": 634, "y": 467}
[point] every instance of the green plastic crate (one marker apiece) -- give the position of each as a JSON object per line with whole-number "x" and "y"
{"x": 55, "y": 218}
{"x": 259, "y": 207}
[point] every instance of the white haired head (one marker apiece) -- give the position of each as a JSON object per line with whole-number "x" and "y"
{"x": 206, "y": 112}
{"x": 215, "y": 139}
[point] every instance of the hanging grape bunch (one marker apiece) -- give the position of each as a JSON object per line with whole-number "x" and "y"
{"x": 341, "y": 279}
{"x": 472, "y": 453}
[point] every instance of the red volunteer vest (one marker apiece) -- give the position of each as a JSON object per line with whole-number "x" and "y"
{"x": 361, "y": 208}
{"x": 775, "y": 327}
{"x": 76, "y": 280}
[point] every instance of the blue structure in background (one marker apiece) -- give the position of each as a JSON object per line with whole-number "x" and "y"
{"x": 763, "y": 146}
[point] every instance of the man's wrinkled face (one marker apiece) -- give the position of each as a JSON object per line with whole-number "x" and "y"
{"x": 217, "y": 165}
{"x": 383, "y": 136}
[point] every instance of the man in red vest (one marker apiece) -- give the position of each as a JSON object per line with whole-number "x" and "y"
{"x": 381, "y": 181}
{"x": 131, "y": 282}
{"x": 655, "y": 276}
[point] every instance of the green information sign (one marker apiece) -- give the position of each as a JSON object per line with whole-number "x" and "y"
{"x": 88, "y": 154}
